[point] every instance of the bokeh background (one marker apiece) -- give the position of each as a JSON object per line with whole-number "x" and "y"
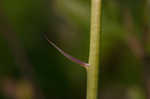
{"x": 32, "y": 69}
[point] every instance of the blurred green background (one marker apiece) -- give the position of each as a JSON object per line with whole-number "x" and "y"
{"x": 32, "y": 69}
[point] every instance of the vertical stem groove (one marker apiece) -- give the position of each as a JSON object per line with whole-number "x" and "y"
{"x": 93, "y": 70}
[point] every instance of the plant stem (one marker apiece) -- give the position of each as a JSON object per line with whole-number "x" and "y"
{"x": 93, "y": 70}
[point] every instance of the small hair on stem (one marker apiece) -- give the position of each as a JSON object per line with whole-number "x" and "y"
{"x": 71, "y": 58}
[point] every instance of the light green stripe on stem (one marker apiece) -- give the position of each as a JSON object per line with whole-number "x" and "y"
{"x": 93, "y": 70}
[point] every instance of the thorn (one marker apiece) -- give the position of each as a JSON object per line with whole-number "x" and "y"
{"x": 71, "y": 58}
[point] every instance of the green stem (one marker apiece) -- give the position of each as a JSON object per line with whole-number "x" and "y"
{"x": 93, "y": 70}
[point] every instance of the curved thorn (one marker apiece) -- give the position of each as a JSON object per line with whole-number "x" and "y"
{"x": 73, "y": 59}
